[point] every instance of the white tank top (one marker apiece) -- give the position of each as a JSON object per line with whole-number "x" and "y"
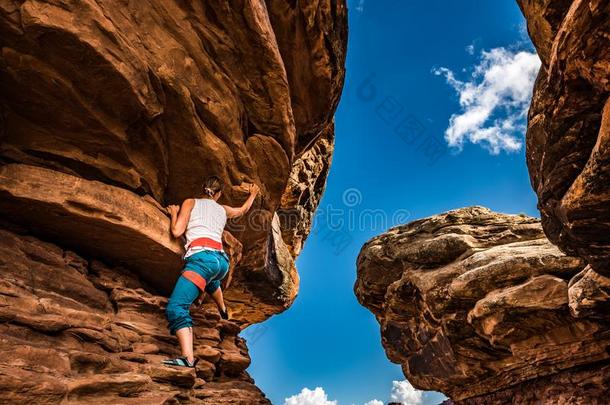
{"x": 208, "y": 219}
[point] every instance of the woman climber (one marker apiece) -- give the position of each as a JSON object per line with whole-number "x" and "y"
{"x": 206, "y": 264}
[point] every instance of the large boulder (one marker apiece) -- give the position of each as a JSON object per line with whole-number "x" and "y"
{"x": 481, "y": 306}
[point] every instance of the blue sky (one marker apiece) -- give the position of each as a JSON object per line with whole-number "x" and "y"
{"x": 326, "y": 339}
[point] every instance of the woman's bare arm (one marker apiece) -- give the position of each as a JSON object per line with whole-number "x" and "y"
{"x": 180, "y": 216}
{"x": 233, "y": 212}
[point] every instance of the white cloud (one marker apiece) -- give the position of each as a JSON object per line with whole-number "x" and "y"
{"x": 494, "y": 101}
{"x": 309, "y": 397}
{"x": 374, "y": 402}
{"x": 404, "y": 393}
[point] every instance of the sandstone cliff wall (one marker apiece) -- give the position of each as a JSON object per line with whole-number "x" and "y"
{"x": 150, "y": 97}
{"x": 110, "y": 111}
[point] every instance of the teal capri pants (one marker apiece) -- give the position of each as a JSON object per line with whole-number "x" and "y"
{"x": 210, "y": 267}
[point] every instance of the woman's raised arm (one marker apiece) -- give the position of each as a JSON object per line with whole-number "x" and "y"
{"x": 233, "y": 212}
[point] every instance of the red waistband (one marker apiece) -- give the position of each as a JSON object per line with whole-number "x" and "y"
{"x": 206, "y": 242}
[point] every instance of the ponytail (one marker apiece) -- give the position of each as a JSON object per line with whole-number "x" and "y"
{"x": 211, "y": 186}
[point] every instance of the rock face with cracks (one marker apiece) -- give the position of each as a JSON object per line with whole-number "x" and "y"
{"x": 568, "y": 136}
{"x": 481, "y": 306}
{"x": 110, "y": 111}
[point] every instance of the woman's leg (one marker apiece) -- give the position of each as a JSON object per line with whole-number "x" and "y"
{"x": 180, "y": 321}
{"x": 218, "y": 299}
{"x": 214, "y": 286}
{"x": 185, "y": 338}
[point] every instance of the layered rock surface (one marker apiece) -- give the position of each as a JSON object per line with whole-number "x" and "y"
{"x": 481, "y": 306}
{"x": 568, "y": 136}
{"x": 75, "y": 330}
{"x": 151, "y": 97}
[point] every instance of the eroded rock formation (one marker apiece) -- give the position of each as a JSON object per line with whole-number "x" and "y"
{"x": 568, "y": 137}
{"x": 110, "y": 111}
{"x": 481, "y": 306}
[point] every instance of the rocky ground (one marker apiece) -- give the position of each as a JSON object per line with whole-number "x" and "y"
{"x": 76, "y": 330}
